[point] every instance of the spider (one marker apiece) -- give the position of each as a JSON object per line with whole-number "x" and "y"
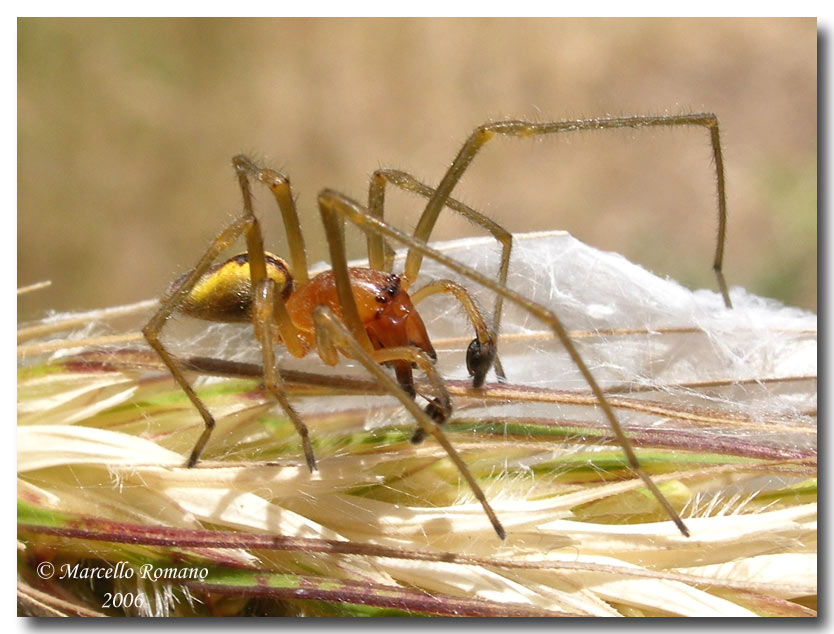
{"x": 369, "y": 314}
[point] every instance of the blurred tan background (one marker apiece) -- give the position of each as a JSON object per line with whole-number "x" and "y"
{"x": 126, "y": 128}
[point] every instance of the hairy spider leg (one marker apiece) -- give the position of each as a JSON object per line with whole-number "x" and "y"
{"x": 277, "y": 314}
{"x": 350, "y": 335}
{"x": 332, "y": 201}
{"x": 256, "y": 257}
{"x": 482, "y": 134}
{"x": 481, "y": 350}
{"x": 380, "y": 254}
{"x": 263, "y": 318}
{"x": 279, "y": 184}
{"x": 335, "y": 232}
{"x": 340, "y": 335}
{"x": 480, "y": 355}
{"x": 154, "y": 326}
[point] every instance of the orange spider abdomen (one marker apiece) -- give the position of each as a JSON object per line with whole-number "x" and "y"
{"x": 384, "y": 307}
